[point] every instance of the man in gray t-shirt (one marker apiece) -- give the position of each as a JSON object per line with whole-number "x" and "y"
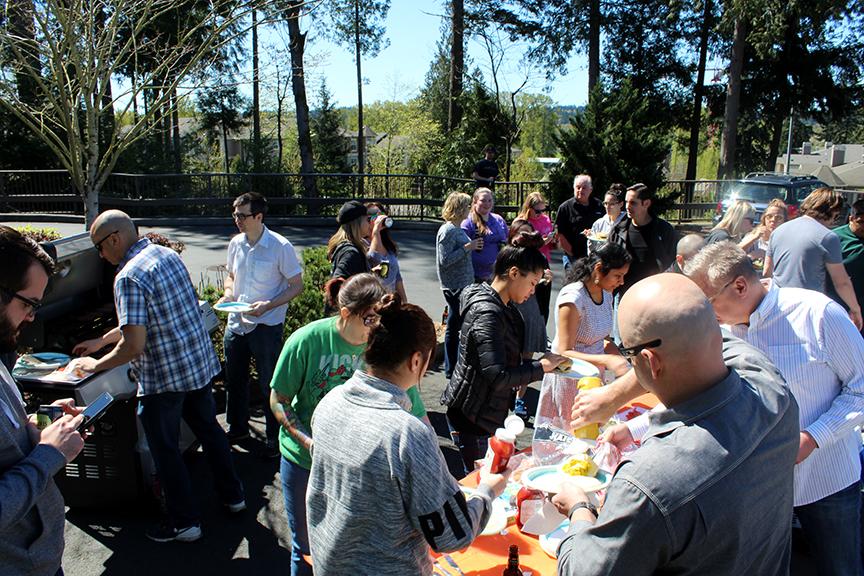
{"x": 801, "y": 251}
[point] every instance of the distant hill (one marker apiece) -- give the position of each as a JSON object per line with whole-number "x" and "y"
{"x": 564, "y": 113}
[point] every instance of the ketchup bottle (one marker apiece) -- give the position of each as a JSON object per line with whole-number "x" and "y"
{"x": 503, "y": 446}
{"x": 528, "y": 503}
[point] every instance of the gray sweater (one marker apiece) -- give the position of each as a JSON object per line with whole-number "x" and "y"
{"x": 455, "y": 270}
{"x": 380, "y": 494}
{"x": 32, "y": 516}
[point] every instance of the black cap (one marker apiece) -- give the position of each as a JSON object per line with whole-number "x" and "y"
{"x": 349, "y": 211}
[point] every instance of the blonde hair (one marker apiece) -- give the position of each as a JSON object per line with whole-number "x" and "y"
{"x": 348, "y": 232}
{"x": 734, "y": 218}
{"x": 479, "y": 225}
{"x": 778, "y": 203}
{"x": 456, "y": 207}
{"x": 530, "y": 200}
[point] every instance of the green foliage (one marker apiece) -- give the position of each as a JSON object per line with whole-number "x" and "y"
{"x": 220, "y": 111}
{"x": 39, "y": 234}
{"x": 369, "y": 21}
{"x": 328, "y": 142}
{"x": 538, "y": 125}
{"x": 526, "y": 168}
{"x": 413, "y": 137}
{"x": 616, "y": 139}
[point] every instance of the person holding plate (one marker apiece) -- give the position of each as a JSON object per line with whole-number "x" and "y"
{"x": 265, "y": 275}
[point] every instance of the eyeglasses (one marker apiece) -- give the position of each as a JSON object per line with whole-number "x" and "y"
{"x": 714, "y": 297}
{"x": 634, "y": 350}
{"x": 242, "y": 217}
{"x": 611, "y": 203}
{"x": 370, "y": 319}
{"x": 540, "y": 209}
{"x": 98, "y": 244}
{"x": 34, "y": 304}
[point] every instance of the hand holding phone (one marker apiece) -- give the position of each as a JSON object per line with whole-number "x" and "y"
{"x": 95, "y": 410}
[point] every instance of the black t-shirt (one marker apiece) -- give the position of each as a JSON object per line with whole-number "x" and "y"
{"x": 644, "y": 261}
{"x": 486, "y": 169}
{"x": 573, "y": 218}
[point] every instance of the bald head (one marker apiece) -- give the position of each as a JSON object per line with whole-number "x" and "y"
{"x": 689, "y": 245}
{"x": 672, "y": 308}
{"x": 111, "y": 220}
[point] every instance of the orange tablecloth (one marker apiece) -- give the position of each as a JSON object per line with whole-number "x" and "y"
{"x": 487, "y": 555}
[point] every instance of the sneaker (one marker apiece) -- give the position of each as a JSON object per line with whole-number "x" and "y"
{"x": 168, "y": 533}
{"x": 237, "y": 436}
{"x": 520, "y": 409}
{"x": 236, "y": 507}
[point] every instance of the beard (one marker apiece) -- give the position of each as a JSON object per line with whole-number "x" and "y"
{"x": 8, "y": 334}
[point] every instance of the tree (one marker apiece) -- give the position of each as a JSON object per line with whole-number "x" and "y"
{"x": 617, "y": 138}
{"x": 360, "y": 24}
{"x": 221, "y": 113}
{"x": 81, "y": 44}
{"x": 457, "y": 63}
{"x": 328, "y": 140}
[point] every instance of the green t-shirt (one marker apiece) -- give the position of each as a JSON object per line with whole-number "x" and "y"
{"x": 853, "y": 260}
{"x": 315, "y": 360}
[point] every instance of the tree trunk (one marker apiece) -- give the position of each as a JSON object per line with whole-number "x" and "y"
{"x": 21, "y": 25}
{"x": 256, "y": 99}
{"x": 457, "y": 64}
{"x": 698, "y": 90}
{"x": 593, "y": 44}
{"x": 175, "y": 137}
{"x": 776, "y": 136}
{"x": 280, "y": 99}
{"x": 225, "y": 144}
{"x": 728, "y": 140}
{"x": 361, "y": 141}
{"x": 298, "y": 87}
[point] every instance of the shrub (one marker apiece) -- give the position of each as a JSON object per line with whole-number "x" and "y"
{"x": 39, "y": 234}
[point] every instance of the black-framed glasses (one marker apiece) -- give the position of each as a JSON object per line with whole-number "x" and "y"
{"x": 242, "y": 217}
{"x": 634, "y": 350}
{"x": 370, "y": 319}
{"x": 611, "y": 203}
{"x": 34, "y": 304}
{"x": 540, "y": 209}
{"x": 98, "y": 244}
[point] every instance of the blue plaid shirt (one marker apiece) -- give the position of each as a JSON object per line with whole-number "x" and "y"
{"x": 153, "y": 289}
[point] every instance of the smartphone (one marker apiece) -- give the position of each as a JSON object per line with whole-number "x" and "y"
{"x": 95, "y": 410}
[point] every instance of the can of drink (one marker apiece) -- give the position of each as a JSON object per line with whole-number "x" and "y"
{"x": 384, "y": 268}
{"x": 45, "y": 415}
{"x": 388, "y": 221}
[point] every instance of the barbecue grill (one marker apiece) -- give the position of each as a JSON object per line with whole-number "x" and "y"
{"x": 115, "y": 464}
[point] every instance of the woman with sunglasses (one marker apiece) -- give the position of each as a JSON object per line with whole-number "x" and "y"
{"x": 317, "y": 358}
{"x": 756, "y": 242}
{"x": 534, "y": 210}
{"x": 613, "y": 203}
{"x": 736, "y": 223}
{"x": 383, "y": 249}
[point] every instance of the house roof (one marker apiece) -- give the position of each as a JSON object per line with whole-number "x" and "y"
{"x": 829, "y": 176}
{"x": 852, "y": 174}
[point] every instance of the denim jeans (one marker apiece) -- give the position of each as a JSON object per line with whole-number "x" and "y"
{"x": 294, "y": 481}
{"x": 472, "y": 447}
{"x": 160, "y": 416}
{"x": 264, "y": 343}
{"x": 832, "y": 527}
{"x": 451, "y": 332}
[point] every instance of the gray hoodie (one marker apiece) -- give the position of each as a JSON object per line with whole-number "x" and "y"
{"x": 380, "y": 495}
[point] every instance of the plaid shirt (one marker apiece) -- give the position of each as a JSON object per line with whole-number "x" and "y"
{"x": 153, "y": 289}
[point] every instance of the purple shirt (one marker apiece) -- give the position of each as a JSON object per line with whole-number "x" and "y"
{"x": 484, "y": 260}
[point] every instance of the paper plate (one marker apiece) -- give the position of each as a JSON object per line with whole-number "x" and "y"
{"x": 597, "y": 238}
{"x": 580, "y": 369}
{"x": 233, "y": 307}
{"x": 550, "y": 478}
{"x": 550, "y": 542}
{"x": 498, "y": 520}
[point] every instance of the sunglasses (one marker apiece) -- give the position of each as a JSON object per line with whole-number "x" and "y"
{"x": 541, "y": 210}
{"x": 242, "y": 217}
{"x": 634, "y": 350}
{"x": 98, "y": 244}
{"x": 34, "y": 304}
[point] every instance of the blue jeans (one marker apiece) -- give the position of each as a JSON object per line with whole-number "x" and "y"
{"x": 472, "y": 447}
{"x": 160, "y": 416}
{"x": 294, "y": 481}
{"x": 264, "y": 343}
{"x": 832, "y": 527}
{"x": 451, "y": 332}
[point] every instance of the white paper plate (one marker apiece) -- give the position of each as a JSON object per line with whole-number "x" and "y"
{"x": 580, "y": 369}
{"x": 550, "y": 542}
{"x": 597, "y": 238}
{"x": 233, "y": 307}
{"x": 550, "y": 478}
{"x": 497, "y": 520}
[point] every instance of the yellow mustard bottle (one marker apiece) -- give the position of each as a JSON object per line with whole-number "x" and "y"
{"x": 592, "y": 430}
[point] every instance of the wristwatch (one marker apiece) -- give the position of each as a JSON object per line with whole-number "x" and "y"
{"x": 587, "y": 505}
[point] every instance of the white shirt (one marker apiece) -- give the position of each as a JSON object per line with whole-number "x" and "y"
{"x": 13, "y": 393}
{"x": 261, "y": 272}
{"x": 816, "y": 347}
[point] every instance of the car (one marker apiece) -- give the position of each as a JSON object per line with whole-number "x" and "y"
{"x": 759, "y": 188}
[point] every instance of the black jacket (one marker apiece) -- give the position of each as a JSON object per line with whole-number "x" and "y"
{"x": 664, "y": 244}
{"x": 490, "y": 362}
{"x": 347, "y": 261}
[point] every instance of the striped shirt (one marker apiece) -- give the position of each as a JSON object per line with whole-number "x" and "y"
{"x": 821, "y": 355}
{"x": 153, "y": 289}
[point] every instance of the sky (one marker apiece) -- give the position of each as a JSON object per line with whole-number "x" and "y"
{"x": 398, "y": 72}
